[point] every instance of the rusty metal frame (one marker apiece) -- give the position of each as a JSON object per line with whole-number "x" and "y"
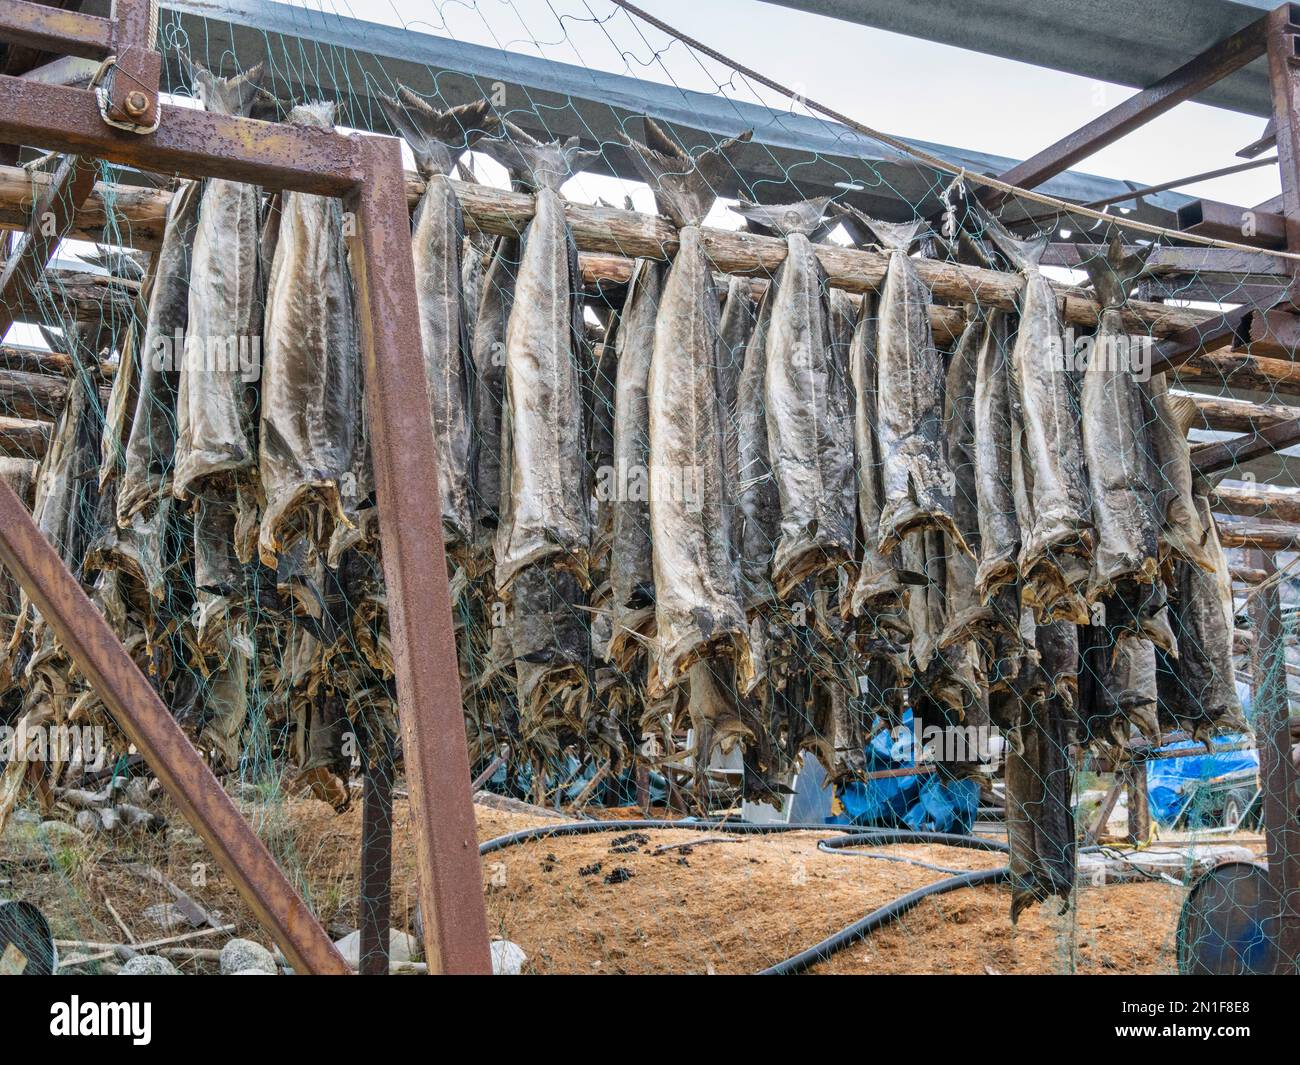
{"x": 367, "y": 173}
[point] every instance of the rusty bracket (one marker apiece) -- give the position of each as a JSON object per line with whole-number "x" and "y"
{"x": 128, "y": 96}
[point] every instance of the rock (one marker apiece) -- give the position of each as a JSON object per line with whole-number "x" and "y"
{"x": 61, "y": 832}
{"x": 148, "y": 965}
{"x": 401, "y": 947}
{"x": 507, "y": 958}
{"x": 166, "y": 915}
{"x": 252, "y": 972}
{"x": 242, "y": 954}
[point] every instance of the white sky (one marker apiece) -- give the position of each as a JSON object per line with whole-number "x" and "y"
{"x": 902, "y": 85}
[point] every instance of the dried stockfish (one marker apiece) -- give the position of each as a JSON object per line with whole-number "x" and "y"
{"x": 544, "y": 507}
{"x": 311, "y": 387}
{"x": 437, "y": 138}
{"x": 221, "y": 356}
{"x": 916, "y": 480}
{"x": 698, "y": 611}
{"x": 1057, "y": 528}
{"x": 806, "y": 400}
{"x": 1115, "y": 440}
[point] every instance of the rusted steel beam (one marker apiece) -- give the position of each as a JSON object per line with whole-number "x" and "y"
{"x": 180, "y": 769}
{"x": 189, "y": 142}
{"x": 1225, "y": 221}
{"x": 131, "y": 82}
{"x": 1284, "y": 78}
{"x": 415, "y": 571}
{"x": 51, "y": 29}
{"x": 1192, "y": 77}
{"x": 52, "y": 217}
{"x": 1224, "y": 454}
{"x": 1277, "y": 772}
{"x": 1218, "y": 331}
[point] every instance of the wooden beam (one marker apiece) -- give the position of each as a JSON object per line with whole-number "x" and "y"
{"x": 23, "y": 439}
{"x": 1224, "y": 454}
{"x": 611, "y": 233}
{"x": 1241, "y": 370}
{"x": 1265, "y": 535}
{"x": 1226, "y": 415}
{"x": 1188, "y": 80}
{"x": 52, "y": 217}
{"x": 1218, "y": 330}
{"x": 1258, "y": 500}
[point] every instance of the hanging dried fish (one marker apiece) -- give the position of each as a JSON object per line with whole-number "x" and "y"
{"x": 697, "y": 601}
{"x": 758, "y": 504}
{"x": 1115, "y": 439}
{"x": 1057, "y": 538}
{"x": 916, "y": 479}
{"x": 809, "y": 431}
{"x": 1182, "y": 531}
{"x": 734, "y": 330}
{"x": 631, "y": 564}
{"x": 1039, "y": 780}
{"x": 437, "y": 138}
{"x": 221, "y": 359}
{"x": 545, "y": 513}
{"x": 150, "y": 444}
{"x": 879, "y": 591}
{"x": 311, "y": 387}
{"x": 1197, "y": 689}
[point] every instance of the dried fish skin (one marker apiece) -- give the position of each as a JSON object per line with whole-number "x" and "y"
{"x": 878, "y": 592}
{"x": 758, "y": 504}
{"x": 489, "y": 351}
{"x": 631, "y": 570}
{"x": 437, "y": 238}
{"x": 967, "y": 613}
{"x": 697, "y": 602}
{"x": 215, "y": 417}
{"x": 1115, "y": 442}
{"x": 734, "y": 330}
{"x": 995, "y": 447}
{"x": 544, "y": 507}
{"x": 151, "y": 442}
{"x": 915, "y": 476}
{"x": 1117, "y": 687}
{"x": 1182, "y": 531}
{"x": 1060, "y": 514}
{"x": 1198, "y": 688}
{"x": 311, "y": 382}
{"x": 809, "y": 432}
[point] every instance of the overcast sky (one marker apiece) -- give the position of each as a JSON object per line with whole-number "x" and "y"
{"x": 902, "y": 85}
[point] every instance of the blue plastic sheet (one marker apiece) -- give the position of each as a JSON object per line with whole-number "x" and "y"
{"x": 1172, "y": 782}
{"x": 929, "y": 803}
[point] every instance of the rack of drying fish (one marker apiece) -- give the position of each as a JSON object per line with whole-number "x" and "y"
{"x": 777, "y": 509}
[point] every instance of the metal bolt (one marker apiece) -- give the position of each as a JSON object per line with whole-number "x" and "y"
{"x": 137, "y": 103}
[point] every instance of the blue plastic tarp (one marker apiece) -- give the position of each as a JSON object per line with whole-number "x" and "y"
{"x": 1171, "y": 782}
{"x": 922, "y": 803}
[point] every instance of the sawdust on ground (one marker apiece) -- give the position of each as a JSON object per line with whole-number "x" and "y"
{"x": 661, "y": 901}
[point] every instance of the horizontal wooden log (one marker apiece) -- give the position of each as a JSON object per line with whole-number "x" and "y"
{"x": 33, "y": 360}
{"x": 1258, "y": 500}
{"x": 1237, "y": 415}
{"x": 22, "y": 439}
{"x": 1239, "y": 370}
{"x": 1264, "y": 535}
{"x": 629, "y": 234}
{"x": 31, "y": 396}
{"x": 1225, "y": 454}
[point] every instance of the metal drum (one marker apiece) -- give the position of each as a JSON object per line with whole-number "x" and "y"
{"x": 1229, "y": 923}
{"x": 26, "y": 943}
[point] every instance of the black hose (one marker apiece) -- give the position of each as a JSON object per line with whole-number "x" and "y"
{"x": 886, "y": 914}
{"x": 583, "y": 828}
{"x": 851, "y": 835}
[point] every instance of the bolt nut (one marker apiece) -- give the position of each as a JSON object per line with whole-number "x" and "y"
{"x": 137, "y": 103}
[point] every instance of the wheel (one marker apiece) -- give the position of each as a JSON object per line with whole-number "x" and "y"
{"x": 1234, "y": 810}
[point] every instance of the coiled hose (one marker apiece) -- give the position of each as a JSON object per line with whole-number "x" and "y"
{"x": 849, "y": 836}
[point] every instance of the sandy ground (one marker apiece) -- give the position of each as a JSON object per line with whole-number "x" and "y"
{"x": 664, "y": 901}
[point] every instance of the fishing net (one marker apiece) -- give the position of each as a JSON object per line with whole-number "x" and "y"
{"x": 847, "y": 500}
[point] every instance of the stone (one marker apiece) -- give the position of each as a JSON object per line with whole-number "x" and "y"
{"x": 148, "y": 965}
{"x": 242, "y": 954}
